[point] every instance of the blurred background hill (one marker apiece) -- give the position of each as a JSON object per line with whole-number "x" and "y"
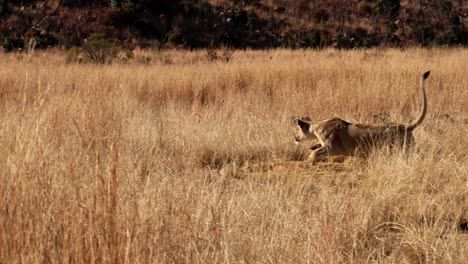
{"x": 256, "y": 24}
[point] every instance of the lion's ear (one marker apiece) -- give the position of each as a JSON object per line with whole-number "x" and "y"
{"x": 303, "y": 124}
{"x": 306, "y": 118}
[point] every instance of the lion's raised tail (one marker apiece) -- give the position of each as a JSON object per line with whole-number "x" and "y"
{"x": 423, "y": 112}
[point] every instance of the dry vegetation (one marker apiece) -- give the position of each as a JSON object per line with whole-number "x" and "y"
{"x": 186, "y": 160}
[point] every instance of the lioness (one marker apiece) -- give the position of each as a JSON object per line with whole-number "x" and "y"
{"x": 338, "y": 137}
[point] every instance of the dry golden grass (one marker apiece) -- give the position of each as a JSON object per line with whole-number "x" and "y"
{"x": 183, "y": 160}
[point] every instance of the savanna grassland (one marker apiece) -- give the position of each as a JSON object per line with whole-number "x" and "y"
{"x": 174, "y": 158}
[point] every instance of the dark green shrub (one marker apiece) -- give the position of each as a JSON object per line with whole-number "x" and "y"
{"x": 424, "y": 34}
{"x": 343, "y": 41}
{"x": 311, "y": 40}
{"x": 174, "y": 37}
{"x": 456, "y": 33}
{"x": 101, "y": 49}
{"x": 12, "y": 43}
{"x": 98, "y": 48}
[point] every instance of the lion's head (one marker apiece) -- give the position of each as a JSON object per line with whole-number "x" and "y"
{"x": 303, "y": 130}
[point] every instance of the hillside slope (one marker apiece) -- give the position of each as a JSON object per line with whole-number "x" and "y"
{"x": 237, "y": 24}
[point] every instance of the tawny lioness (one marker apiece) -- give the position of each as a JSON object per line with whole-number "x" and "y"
{"x": 338, "y": 137}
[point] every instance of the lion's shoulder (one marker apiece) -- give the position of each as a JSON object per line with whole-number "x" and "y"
{"x": 329, "y": 126}
{"x": 332, "y": 122}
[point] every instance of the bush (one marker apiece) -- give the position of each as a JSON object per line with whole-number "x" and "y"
{"x": 456, "y": 34}
{"x": 424, "y": 34}
{"x": 12, "y": 43}
{"x": 101, "y": 49}
{"x": 174, "y": 37}
{"x": 98, "y": 48}
{"x": 311, "y": 40}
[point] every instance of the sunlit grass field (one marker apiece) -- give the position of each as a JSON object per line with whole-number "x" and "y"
{"x": 175, "y": 158}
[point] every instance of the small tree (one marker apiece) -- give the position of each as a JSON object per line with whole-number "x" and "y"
{"x": 101, "y": 49}
{"x": 98, "y": 48}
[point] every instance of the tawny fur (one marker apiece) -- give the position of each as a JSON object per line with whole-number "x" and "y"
{"x": 337, "y": 137}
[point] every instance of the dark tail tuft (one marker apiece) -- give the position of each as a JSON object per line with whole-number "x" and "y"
{"x": 426, "y": 74}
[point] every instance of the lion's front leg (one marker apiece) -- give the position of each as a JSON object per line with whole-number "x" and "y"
{"x": 322, "y": 152}
{"x": 316, "y": 146}
{"x": 319, "y": 154}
